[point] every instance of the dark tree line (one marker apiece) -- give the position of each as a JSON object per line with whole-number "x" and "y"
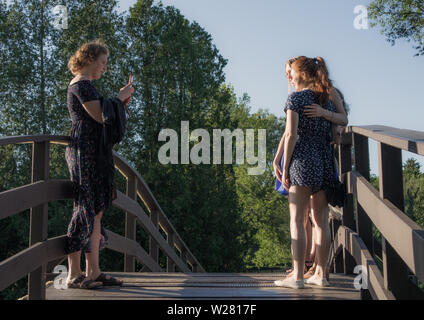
{"x": 231, "y": 221}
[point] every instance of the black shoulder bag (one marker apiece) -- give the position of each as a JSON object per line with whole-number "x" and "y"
{"x": 336, "y": 192}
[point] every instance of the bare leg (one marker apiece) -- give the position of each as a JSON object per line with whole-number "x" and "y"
{"x": 313, "y": 232}
{"x": 309, "y": 238}
{"x": 74, "y": 264}
{"x": 310, "y": 242}
{"x": 322, "y": 232}
{"x": 298, "y": 204}
{"x": 92, "y": 258}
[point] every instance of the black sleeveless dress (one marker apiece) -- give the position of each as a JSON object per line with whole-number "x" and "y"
{"x": 90, "y": 188}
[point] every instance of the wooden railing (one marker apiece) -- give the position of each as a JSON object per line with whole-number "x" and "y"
{"x": 43, "y": 254}
{"x": 401, "y": 250}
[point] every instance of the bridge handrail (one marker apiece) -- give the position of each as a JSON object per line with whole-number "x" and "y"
{"x": 42, "y": 190}
{"x": 402, "y": 240}
{"x": 408, "y": 140}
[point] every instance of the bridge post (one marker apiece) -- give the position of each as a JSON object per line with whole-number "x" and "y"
{"x": 348, "y": 220}
{"x": 170, "y": 265}
{"x": 363, "y": 222}
{"x": 184, "y": 256}
{"x": 39, "y": 219}
{"x": 395, "y": 271}
{"x": 130, "y": 223}
{"x": 362, "y": 165}
{"x": 153, "y": 247}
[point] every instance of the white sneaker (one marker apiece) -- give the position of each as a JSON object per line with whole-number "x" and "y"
{"x": 290, "y": 283}
{"x": 317, "y": 281}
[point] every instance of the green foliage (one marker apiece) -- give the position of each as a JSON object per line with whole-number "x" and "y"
{"x": 217, "y": 209}
{"x": 230, "y": 220}
{"x": 413, "y": 184}
{"x": 264, "y": 210}
{"x": 400, "y": 19}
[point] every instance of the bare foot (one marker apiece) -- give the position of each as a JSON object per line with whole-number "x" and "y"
{"x": 309, "y": 274}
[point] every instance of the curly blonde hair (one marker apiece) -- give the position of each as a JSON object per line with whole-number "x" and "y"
{"x": 87, "y": 54}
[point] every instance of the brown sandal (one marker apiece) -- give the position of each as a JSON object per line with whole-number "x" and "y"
{"x": 109, "y": 282}
{"x": 88, "y": 284}
{"x": 76, "y": 282}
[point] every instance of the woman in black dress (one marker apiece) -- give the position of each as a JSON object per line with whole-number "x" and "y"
{"x": 92, "y": 192}
{"x": 308, "y": 164}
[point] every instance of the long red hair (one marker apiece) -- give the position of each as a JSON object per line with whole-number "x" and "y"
{"x": 314, "y": 73}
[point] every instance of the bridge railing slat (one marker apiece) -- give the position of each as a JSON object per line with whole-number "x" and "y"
{"x": 130, "y": 223}
{"x": 402, "y": 239}
{"x": 151, "y": 203}
{"x": 127, "y": 204}
{"x": 38, "y": 257}
{"x": 408, "y": 140}
{"x": 353, "y": 243}
{"x": 394, "y": 225}
{"x": 29, "y": 259}
{"x": 31, "y": 195}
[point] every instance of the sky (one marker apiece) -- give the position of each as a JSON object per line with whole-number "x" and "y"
{"x": 382, "y": 83}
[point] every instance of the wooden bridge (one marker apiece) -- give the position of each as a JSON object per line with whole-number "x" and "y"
{"x": 391, "y": 268}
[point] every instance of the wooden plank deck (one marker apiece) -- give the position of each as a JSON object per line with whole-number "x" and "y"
{"x": 227, "y": 286}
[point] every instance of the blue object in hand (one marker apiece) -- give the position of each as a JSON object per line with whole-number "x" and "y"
{"x": 278, "y": 184}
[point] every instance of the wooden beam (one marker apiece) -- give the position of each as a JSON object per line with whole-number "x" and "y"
{"x": 30, "y": 259}
{"x": 132, "y": 248}
{"x": 39, "y": 219}
{"x": 32, "y": 195}
{"x": 362, "y": 165}
{"x": 130, "y": 223}
{"x": 409, "y": 140}
{"x": 153, "y": 245}
{"x": 170, "y": 265}
{"x": 404, "y": 235}
{"x": 151, "y": 203}
{"x": 127, "y": 204}
{"x": 396, "y": 273}
{"x": 357, "y": 248}
{"x": 33, "y": 138}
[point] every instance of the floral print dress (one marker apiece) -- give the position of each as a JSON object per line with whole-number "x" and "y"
{"x": 312, "y": 162}
{"x": 89, "y": 183}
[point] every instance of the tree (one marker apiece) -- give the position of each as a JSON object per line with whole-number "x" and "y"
{"x": 400, "y": 19}
{"x": 414, "y": 191}
{"x": 412, "y": 168}
{"x": 265, "y": 212}
{"x": 33, "y": 83}
{"x": 179, "y": 77}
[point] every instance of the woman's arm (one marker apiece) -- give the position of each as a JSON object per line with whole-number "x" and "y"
{"x": 277, "y": 159}
{"x": 94, "y": 110}
{"x": 338, "y": 117}
{"x": 280, "y": 150}
{"x": 291, "y": 136}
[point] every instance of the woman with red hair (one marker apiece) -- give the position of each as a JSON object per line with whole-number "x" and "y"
{"x": 340, "y": 118}
{"x": 308, "y": 164}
